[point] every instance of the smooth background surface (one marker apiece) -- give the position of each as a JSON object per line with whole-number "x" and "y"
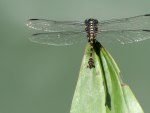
{"x": 37, "y": 78}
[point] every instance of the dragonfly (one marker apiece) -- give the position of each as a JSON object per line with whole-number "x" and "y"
{"x": 65, "y": 33}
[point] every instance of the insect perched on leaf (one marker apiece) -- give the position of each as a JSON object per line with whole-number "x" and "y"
{"x": 62, "y": 33}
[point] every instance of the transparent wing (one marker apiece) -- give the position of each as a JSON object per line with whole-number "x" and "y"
{"x": 53, "y": 26}
{"x": 124, "y": 37}
{"x": 58, "y": 38}
{"x": 132, "y": 23}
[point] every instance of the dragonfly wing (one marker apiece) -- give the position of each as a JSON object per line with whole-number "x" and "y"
{"x": 141, "y": 22}
{"x": 54, "y": 26}
{"x": 58, "y": 38}
{"x": 124, "y": 37}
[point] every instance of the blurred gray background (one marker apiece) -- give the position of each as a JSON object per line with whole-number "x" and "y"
{"x": 38, "y": 78}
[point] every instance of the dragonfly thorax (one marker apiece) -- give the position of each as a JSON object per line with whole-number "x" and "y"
{"x": 91, "y": 28}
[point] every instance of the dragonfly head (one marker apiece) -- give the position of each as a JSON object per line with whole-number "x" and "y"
{"x": 91, "y": 21}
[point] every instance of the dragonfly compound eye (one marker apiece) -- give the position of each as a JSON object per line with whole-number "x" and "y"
{"x": 95, "y": 21}
{"x": 86, "y": 22}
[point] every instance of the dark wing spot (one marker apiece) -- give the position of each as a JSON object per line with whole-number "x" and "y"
{"x": 147, "y": 30}
{"x": 147, "y": 15}
{"x": 36, "y": 34}
{"x": 33, "y": 19}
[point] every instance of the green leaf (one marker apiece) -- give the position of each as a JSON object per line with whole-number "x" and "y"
{"x": 100, "y": 89}
{"x": 133, "y": 105}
